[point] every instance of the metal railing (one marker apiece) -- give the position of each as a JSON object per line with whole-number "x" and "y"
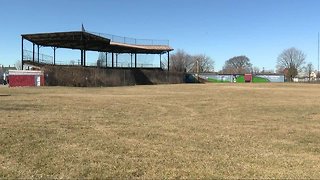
{"x": 132, "y": 41}
{"x": 46, "y": 59}
{"x": 43, "y": 58}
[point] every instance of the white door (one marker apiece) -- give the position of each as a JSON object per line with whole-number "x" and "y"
{"x": 38, "y": 82}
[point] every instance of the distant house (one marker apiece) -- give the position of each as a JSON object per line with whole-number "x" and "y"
{"x": 313, "y": 76}
{"x": 304, "y": 77}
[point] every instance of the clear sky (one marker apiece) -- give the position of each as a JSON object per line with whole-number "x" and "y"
{"x": 221, "y": 29}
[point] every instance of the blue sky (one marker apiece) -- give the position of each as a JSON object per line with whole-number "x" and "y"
{"x": 221, "y": 29}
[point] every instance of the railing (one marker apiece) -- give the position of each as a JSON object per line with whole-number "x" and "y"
{"x": 163, "y": 65}
{"x": 46, "y": 59}
{"x": 43, "y": 58}
{"x": 133, "y": 41}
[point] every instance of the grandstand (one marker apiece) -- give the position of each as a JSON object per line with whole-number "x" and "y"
{"x": 111, "y": 72}
{"x": 89, "y": 41}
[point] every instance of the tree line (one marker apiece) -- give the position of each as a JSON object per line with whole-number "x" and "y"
{"x": 184, "y": 62}
{"x": 290, "y": 62}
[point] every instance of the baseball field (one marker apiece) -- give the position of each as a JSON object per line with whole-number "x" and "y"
{"x": 161, "y": 131}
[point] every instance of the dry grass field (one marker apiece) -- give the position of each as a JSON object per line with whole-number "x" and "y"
{"x": 165, "y": 131}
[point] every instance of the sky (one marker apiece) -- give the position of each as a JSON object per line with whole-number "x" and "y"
{"x": 220, "y": 29}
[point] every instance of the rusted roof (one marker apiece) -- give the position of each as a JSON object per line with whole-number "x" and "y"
{"x": 87, "y": 41}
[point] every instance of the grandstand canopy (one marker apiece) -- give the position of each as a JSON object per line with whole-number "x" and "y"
{"x": 87, "y": 41}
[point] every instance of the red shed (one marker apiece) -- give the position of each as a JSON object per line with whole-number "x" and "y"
{"x": 248, "y": 78}
{"x": 20, "y": 78}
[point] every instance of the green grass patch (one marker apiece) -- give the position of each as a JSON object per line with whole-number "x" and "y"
{"x": 260, "y": 80}
{"x": 240, "y": 79}
{"x": 217, "y": 81}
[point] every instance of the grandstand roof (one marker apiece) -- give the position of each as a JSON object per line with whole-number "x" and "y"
{"x": 83, "y": 40}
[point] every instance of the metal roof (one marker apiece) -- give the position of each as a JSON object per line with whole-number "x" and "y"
{"x": 87, "y": 41}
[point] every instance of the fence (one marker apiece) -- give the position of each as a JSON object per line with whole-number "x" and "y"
{"x": 43, "y": 58}
{"x": 133, "y": 41}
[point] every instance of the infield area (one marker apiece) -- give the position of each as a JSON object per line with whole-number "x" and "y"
{"x": 164, "y": 131}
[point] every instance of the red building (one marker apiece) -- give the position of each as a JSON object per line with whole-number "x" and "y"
{"x": 248, "y": 78}
{"x": 21, "y": 78}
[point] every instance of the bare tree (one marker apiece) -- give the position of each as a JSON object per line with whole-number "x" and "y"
{"x": 202, "y": 63}
{"x": 102, "y": 59}
{"x": 181, "y": 61}
{"x": 99, "y": 63}
{"x": 72, "y": 62}
{"x": 184, "y": 62}
{"x": 255, "y": 70}
{"x": 238, "y": 65}
{"x": 309, "y": 69}
{"x": 18, "y": 65}
{"x": 291, "y": 62}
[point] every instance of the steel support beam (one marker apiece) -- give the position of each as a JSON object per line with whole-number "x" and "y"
{"x": 106, "y": 59}
{"x": 38, "y": 54}
{"x": 160, "y": 60}
{"x": 22, "y": 53}
{"x": 33, "y": 52}
{"x": 131, "y": 60}
{"x": 84, "y": 58}
{"x": 116, "y": 59}
{"x": 112, "y": 60}
{"x": 54, "y": 55}
{"x": 168, "y": 60}
{"x": 81, "y": 57}
{"x": 135, "y": 60}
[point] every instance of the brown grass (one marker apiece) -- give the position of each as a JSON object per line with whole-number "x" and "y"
{"x": 165, "y": 131}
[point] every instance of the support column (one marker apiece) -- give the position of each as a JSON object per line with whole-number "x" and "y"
{"x": 112, "y": 60}
{"x": 160, "y": 60}
{"x": 84, "y": 58}
{"x": 81, "y": 57}
{"x": 38, "y": 54}
{"x": 106, "y": 59}
{"x": 131, "y": 60}
{"x": 135, "y": 60}
{"x": 168, "y": 60}
{"x": 22, "y": 53}
{"x": 116, "y": 59}
{"x": 54, "y": 55}
{"x": 33, "y": 52}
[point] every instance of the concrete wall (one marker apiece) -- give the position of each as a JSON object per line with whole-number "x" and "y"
{"x": 231, "y": 78}
{"x": 95, "y": 77}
